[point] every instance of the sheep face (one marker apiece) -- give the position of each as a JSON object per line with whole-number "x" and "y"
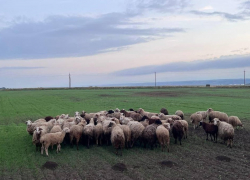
{"x": 166, "y": 125}
{"x": 66, "y": 130}
{"x": 209, "y": 110}
{"x": 38, "y": 130}
{"x": 77, "y": 113}
{"x": 111, "y": 124}
{"x": 216, "y": 121}
{"x": 28, "y": 122}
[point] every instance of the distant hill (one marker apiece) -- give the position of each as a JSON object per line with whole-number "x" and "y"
{"x": 214, "y": 82}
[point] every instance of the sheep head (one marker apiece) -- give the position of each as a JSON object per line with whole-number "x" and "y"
{"x": 216, "y": 121}
{"x": 111, "y": 124}
{"x": 77, "y": 113}
{"x": 210, "y": 110}
{"x": 29, "y": 122}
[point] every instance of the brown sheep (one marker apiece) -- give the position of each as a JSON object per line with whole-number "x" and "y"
{"x": 177, "y": 131}
{"x": 76, "y": 132}
{"x": 163, "y": 137}
{"x": 235, "y": 121}
{"x": 164, "y": 111}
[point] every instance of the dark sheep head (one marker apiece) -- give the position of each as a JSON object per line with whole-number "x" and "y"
{"x": 131, "y": 109}
{"x": 111, "y": 111}
{"x": 111, "y": 124}
{"x": 158, "y": 121}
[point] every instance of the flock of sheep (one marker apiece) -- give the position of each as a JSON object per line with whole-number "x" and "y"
{"x": 124, "y": 128}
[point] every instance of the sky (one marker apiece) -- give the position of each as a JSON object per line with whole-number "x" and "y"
{"x": 108, "y": 42}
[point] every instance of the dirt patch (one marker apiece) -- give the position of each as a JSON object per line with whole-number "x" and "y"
{"x": 160, "y": 94}
{"x": 223, "y": 158}
{"x": 119, "y": 167}
{"x": 50, "y": 165}
{"x": 166, "y": 163}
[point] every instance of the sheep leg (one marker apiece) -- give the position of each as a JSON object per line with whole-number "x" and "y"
{"x": 42, "y": 148}
{"x": 59, "y": 147}
{"x": 77, "y": 142}
{"x": 88, "y": 142}
{"x": 180, "y": 140}
{"x": 97, "y": 140}
{"x": 46, "y": 150}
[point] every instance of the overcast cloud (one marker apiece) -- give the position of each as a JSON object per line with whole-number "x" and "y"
{"x": 220, "y": 63}
{"x": 74, "y": 36}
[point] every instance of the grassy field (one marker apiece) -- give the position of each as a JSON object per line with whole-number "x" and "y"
{"x": 196, "y": 158}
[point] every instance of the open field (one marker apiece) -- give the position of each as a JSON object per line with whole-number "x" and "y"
{"x": 196, "y": 158}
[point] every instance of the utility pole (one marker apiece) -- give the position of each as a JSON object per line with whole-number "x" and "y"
{"x": 244, "y": 77}
{"x": 69, "y": 81}
{"x": 155, "y": 79}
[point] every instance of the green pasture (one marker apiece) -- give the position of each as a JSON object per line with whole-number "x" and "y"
{"x": 16, "y": 107}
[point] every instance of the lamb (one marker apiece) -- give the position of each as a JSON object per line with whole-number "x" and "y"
{"x": 177, "y": 130}
{"x": 203, "y": 114}
{"x": 149, "y": 134}
{"x": 40, "y": 131}
{"x": 225, "y": 131}
{"x": 217, "y": 114}
{"x": 195, "y": 119}
{"x": 164, "y": 111}
{"x": 235, "y": 121}
{"x": 52, "y": 139}
{"x": 185, "y": 127}
{"x": 126, "y": 131}
{"x": 76, "y": 132}
{"x": 144, "y": 113}
{"x": 88, "y": 130}
{"x": 210, "y": 129}
{"x": 98, "y": 131}
{"x": 117, "y": 137}
{"x": 180, "y": 113}
{"x": 163, "y": 137}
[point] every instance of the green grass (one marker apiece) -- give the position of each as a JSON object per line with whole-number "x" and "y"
{"x": 16, "y": 107}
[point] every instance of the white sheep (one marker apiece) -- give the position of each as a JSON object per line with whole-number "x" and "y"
{"x": 225, "y": 131}
{"x": 52, "y": 139}
{"x": 117, "y": 137}
{"x": 179, "y": 113}
{"x": 145, "y": 113}
{"x": 76, "y": 132}
{"x": 203, "y": 114}
{"x": 217, "y": 114}
{"x": 162, "y": 133}
{"x": 196, "y": 119}
{"x": 98, "y": 132}
{"x": 235, "y": 121}
{"x": 88, "y": 131}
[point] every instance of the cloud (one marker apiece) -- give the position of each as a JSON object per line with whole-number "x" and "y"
{"x": 19, "y": 68}
{"x": 75, "y": 36}
{"x": 206, "y": 8}
{"x": 159, "y": 5}
{"x": 220, "y": 63}
{"x": 227, "y": 16}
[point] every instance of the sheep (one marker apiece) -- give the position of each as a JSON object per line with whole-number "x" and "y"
{"x": 234, "y": 121}
{"x": 164, "y": 111}
{"x": 52, "y": 139}
{"x": 195, "y": 119}
{"x": 145, "y": 122}
{"x": 180, "y": 113}
{"x": 165, "y": 117}
{"x": 225, "y": 131}
{"x": 136, "y": 130}
{"x": 177, "y": 130}
{"x": 131, "y": 109}
{"x": 144, "y": 113}
{"x": 117, "y": 137}
{"x": 217, "y": 114}
{"x": 88, "y": 131}
{"x": 77, "y": 113}
{"x": 149, "y": 134}
{"x": 30, "y": 126}
{"x": 126, "y": 131}
{"x": 125, "y": 120}
{"x": 203, "y": 114}
{"x": 87, "y": 116}
{"x": 151, "y": 120}
{"x": 117, "y": 110}
{"x": 40, "y": 131}
{"x": 210, "y": 129}
{"x": 76, "y": 132}
{"x": 135, "y": 116}
{"x": 115, "y": 114}
{"x": 162, "y": 133}
{"x": 56, "y": 128}
{"x": 48, "y": 118}
{"x": 40, "y": 121}
{"x": 185, "y": 127}
{"x": 111, "y": 111}
{"x": 98, "y": 131}
{"x": 106, "y": 130}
